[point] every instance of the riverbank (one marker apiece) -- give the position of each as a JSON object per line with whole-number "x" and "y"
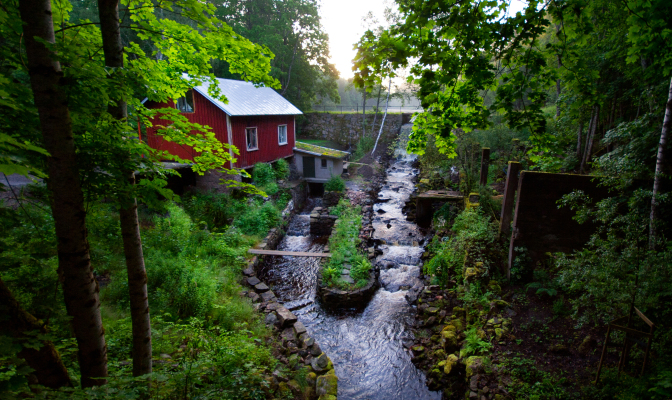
{"x": 481, "y": 336}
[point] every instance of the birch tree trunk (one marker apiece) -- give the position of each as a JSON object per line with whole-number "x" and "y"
{"x": 80, "y": 288}
{"x": 387, "y": 102}
{"x": 128, "y": 212}
{"x": 667, "y": 124}
{"x": 45, "y": 361}
{"x": 375, "y": 115}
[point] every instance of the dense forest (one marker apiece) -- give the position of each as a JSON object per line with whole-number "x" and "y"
{"x": 113, "y": 286}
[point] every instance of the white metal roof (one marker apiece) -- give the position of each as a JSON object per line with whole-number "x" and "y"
{"x": 245, "y": 99}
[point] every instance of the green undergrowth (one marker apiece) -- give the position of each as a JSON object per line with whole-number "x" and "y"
{"x": 343, "y": 244}
{"x": 207, "y": 340}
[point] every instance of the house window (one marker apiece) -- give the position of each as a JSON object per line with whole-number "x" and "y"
{"x": 324, "y": 163}
{"x": 186, "y": 103}
{"x": 282, "y": 134}
{"x": 251, "y": 136}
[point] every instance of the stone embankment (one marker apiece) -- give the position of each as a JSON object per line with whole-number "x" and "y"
{"x": 297, "y": 349}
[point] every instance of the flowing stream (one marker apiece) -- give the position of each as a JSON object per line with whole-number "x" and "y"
{"x": 367, "y": 345}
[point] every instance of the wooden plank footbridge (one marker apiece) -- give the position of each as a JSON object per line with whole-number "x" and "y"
{"x": 287, "y": 253}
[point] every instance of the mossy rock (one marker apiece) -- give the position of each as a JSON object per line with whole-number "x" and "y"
{"x": 449, "y": 364}
{"x": 327, "y": 384}
{"x": 327, "y": 397}
{"x": 476, "y": 364}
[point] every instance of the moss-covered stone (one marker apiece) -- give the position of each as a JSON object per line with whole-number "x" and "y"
{"x": 449, "y": 339}
{"x": 475, "y": 364}
{"x": 327, "y": 384}
{"x": 450, "y": 363}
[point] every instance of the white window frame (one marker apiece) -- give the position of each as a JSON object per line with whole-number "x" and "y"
{"x": 256, "y": 135}
{"x": 193, "y": 102}
{"x": 326, "y": 162}
{"x": 286, "y": 136}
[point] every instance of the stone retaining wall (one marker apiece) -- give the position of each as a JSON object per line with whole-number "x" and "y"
{"x": 298, "y": 346}
{"x": 346, "y": 129}
{"x": 321, "y": 223}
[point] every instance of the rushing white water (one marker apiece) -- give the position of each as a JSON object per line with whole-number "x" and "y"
{"x": 365, "y": 345}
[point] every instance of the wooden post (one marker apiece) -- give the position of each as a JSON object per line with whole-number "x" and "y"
{"x": 507, "y": 201}
{"x": 485, "y": 161}
{"x": 514, "y": 234}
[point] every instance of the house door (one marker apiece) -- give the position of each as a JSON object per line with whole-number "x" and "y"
{"x": 308, "y": 167}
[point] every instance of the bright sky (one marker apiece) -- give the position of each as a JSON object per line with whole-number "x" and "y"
{"x": 342, "y": 21}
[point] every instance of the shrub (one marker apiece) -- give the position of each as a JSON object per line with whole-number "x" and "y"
{"x": 474, "y": 239}
{"x": 258, "y": 219}
{"x": 263, "y": 174}
{"x": 335, "y": 184}
{"x": 281, "y": 168}
{"x": 364, "y": 145}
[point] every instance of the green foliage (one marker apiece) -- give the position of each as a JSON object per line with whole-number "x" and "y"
{"x": 281, "y": 169}
{"x": 604, "y": 272}
{"x": 534, "y": 383}
{"x": 258, "y": 218}
{"x": 263, "y": 174}
{"x": 521, "y": 268}
{"x": 363, "y": 147}
{"x": 293, "y": 32}
{"x": 343, "y": 244}
{"x": 335, "y": 184}
{"x": 473, "y": 239}
{"x": 543, "y": 285}
{"x": 473, "y": 343}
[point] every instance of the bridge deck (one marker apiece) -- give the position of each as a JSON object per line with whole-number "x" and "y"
{"x": 287, "y": 253}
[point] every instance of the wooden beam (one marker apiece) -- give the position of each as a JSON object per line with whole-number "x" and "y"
{"x": 287, "y": 253}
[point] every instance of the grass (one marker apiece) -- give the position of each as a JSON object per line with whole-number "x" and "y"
{"x": 321, "y": 150}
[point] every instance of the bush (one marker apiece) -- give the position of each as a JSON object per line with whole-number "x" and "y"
{"x": 281, "y": 168}
{"x": 364, "y": 145}
{"x": 335, "y": 184}
{"x": 263, "y": 174}
{"x": 474, "y": 240}
{"x": 258, "y": 219}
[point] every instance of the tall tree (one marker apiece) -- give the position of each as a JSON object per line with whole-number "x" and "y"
{"x": 292, "y": 30}
{"x": 80, "y": 288}
{"x": 113, "y": 50}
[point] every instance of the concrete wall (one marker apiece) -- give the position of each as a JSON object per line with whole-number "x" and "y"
{"x": 334, "y": 167}
{"x": 538, "y": 223}
{"x": 346, "y": 129}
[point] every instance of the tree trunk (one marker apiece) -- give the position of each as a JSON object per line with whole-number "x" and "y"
{"x": 45, "y": 361}
{"x": 128, "y": 214}
{"x": 387, "y": 102}
{"x": 558, "y": 88}
{"x": 667, "y": 124}
{"x": 591, "y": 136}
{"x": 364, "y": 114}
{"x": 579, "y": 139}
{"x": 375, "y": 115}
{"x": 80, "y": 288}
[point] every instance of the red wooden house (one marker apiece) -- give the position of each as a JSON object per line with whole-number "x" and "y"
{"x": 258, "y": 121}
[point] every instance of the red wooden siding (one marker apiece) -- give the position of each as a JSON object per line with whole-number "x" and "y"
{"x": 267, "y": 138}
{"x": 206, "y": 113}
